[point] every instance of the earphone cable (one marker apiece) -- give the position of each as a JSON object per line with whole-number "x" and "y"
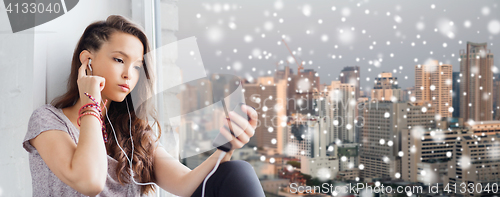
{"x": 131, "y": 140}
{"x": 221, "y": 156}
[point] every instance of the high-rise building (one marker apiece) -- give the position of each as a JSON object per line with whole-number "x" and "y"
{"x": 441, "y": 90}
{"x": 254, "y": 97}
{"x": 269, "y": 99}
{"x": 423, "y": 82}
{"x": 386, "y": 88}
{"x": 433, "y": 83}
{"x": 426, "y": 149}
{"x": 350, "y": 75}
{"x": 476, "y": 157}
{"x": 306, "y": 135}
{"x": 343, "y": 103}
{"x": 381, "y": 137}
{"x": 337, "y": 104}
{"x": 377, "y": 159}
{"x": 409, "y": 95}
{"x": 318, "y": 158}
{"x": 476, "y": 84}
{"x": 298, "y": 143}
{"x": 302, "y": 88}
{"x": 324, "y": 109}
{"x": 456, "y": 94}
{"x": 496, "y": 96}
{"x": 299, "y": 90}
{"x": 283, "y": 74}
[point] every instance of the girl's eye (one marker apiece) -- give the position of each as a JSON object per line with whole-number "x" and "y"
{"x": 137, "y": 67}
{"x": 118, "y": 60}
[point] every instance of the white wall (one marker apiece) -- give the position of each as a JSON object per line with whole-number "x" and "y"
{"x": 16, "y": 87}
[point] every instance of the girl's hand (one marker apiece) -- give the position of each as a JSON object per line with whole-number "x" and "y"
{"x": 93, "y": 85}
{"x": 243, "y": 129}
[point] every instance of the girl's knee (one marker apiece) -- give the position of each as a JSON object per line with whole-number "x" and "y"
{"x": 237, "y": 168}
{"x": 241, "y": 178}
{"x": 237, "y": 164}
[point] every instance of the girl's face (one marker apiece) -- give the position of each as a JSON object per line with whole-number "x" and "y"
{"x": 119, "y": 61}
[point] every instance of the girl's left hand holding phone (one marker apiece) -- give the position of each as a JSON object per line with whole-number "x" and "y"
{"x": 242, "y": 128}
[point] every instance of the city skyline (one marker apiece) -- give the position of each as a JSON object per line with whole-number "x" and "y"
{"x": 406, "y": 55}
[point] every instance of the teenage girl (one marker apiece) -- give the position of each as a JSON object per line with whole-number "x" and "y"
{"x": 81, "y": 143}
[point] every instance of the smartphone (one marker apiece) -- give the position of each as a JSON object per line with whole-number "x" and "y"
{"x": 220, "y": 141}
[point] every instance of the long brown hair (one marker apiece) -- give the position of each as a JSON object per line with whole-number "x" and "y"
{"x": 94, "y": 36}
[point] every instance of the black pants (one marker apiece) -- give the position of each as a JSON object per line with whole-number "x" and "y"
{"x": 232, "y": 178}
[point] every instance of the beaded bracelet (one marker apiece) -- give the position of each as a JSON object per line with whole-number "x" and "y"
{"x": 92, "y": 110}
{"x": 91, "y": 98}
{"x": 104, "y": 134}
{"x": 88, "y": 113}
{"x": 90, "y": 105}
{"x": 96, "y": 106}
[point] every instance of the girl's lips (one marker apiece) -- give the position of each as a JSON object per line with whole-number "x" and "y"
{"x": 125, "y": 89}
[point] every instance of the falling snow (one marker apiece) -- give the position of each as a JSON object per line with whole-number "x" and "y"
{"x": 399, "y": 41}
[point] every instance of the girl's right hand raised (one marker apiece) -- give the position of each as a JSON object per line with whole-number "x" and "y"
{"x": 93, "y": 85}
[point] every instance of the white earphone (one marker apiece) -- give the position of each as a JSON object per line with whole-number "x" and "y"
{"x": 90, "y": 67}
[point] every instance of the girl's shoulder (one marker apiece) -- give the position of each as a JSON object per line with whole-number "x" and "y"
{"x": 44, "y": 109}
{"x": 44, "y": 118}
{"x": 47, "y": 114}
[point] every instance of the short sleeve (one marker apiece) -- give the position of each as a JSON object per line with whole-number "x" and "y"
{"x": 42, "y": 119}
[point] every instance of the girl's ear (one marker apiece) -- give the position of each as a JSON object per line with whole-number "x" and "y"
{"x": 85, "y": 55}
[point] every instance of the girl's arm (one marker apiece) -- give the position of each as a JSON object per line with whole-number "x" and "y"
{"x": 84, "y": 167}
{"x": 176, "y": 178}
{"x": 173, "y": 176}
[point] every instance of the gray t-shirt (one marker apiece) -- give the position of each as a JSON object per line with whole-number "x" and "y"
{"x": 46, "y": 183}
